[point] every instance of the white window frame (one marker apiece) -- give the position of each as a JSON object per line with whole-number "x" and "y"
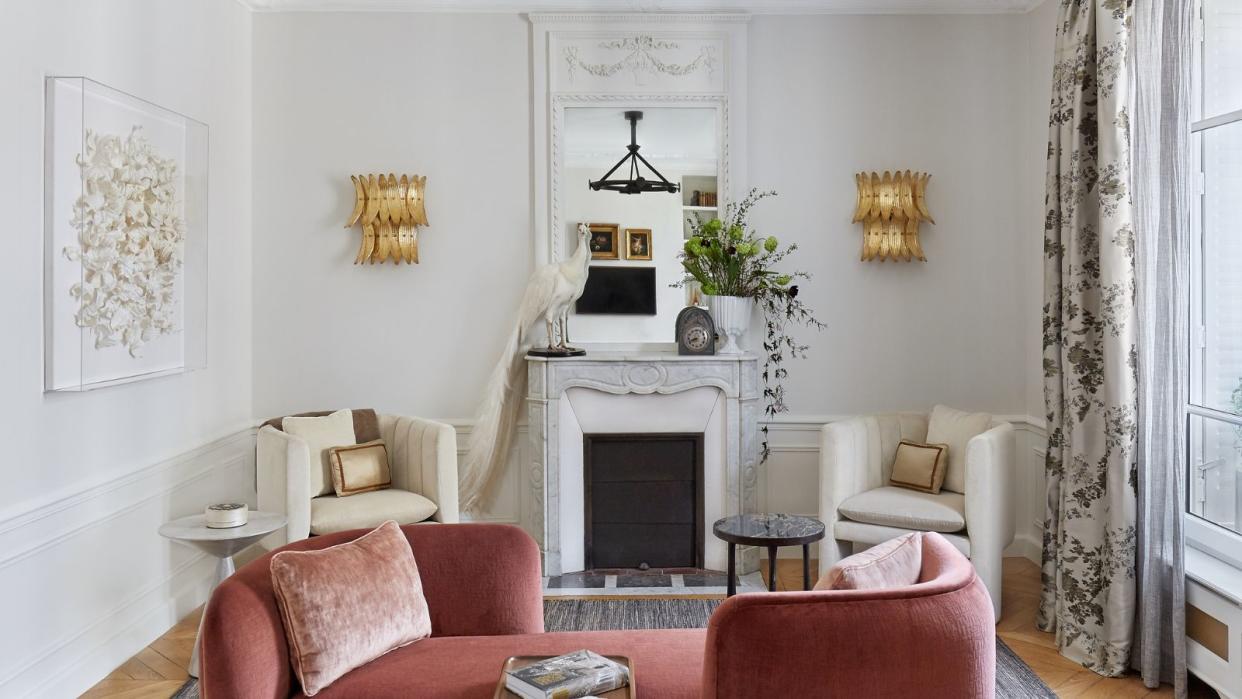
{"x": 1202, "y": 533}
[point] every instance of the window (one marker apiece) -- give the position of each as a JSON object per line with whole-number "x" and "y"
{"x": 1215, "y": 422}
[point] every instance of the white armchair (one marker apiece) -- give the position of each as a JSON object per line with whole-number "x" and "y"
{"x": 422, "y": 457}
{"x": 856, "y": 459}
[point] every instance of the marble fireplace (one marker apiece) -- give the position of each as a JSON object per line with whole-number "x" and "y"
{"x": 638, "y": 393}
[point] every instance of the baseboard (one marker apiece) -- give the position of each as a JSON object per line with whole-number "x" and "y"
{"x": 1025, "y": 546}
{"x": 114, "y": 639}
{"x": 109, "y": 584}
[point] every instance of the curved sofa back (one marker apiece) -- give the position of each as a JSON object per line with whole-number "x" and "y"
{"x": 479, "y": 580}
{"x": 932, "y": 639}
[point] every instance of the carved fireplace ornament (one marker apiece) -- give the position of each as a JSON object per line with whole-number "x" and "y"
{"x": 390, "y": 211}
{"x": 891, "y": 207}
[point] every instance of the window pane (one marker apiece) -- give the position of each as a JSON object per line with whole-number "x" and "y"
{"x": 1215, "y": 462}
{"x": 1222, "y": 57}
{"x": 1216, "y": 351}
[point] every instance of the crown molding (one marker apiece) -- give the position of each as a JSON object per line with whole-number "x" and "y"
{"x": 624, "y": 10}
{"x": 637, "y": 17}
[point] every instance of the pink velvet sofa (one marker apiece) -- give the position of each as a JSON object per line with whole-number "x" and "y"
{"x": 483, "y": 587}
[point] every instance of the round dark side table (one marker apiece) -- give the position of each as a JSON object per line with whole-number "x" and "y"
{"x": 773, "y": 531}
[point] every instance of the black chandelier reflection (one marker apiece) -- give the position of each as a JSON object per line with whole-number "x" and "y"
{"x": 636, "y": 184}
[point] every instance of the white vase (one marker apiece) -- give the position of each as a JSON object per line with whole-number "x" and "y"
{"x": 731, "y": 314}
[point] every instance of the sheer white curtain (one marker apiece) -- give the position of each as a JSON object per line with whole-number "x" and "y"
{"x": 1161, "y": 203}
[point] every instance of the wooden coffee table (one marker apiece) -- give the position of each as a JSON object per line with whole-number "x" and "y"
{"x": 771, "y": 530}
{"x": 517, "y": 661}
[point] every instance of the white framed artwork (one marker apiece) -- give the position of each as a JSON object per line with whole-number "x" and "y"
{"x": 125, "y": 218}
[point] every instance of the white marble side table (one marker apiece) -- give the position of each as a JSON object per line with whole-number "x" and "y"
{"x": 221, "y": 543}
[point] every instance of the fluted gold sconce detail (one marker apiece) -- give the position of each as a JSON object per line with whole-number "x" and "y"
{"x": 390, "y": 211}
{"x": 891, "y": 207}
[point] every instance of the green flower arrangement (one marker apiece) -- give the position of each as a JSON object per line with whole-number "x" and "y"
{"x": 727, "y": 258}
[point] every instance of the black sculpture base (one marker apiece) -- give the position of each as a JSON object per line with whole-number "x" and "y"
{"x": 555, "y": 352}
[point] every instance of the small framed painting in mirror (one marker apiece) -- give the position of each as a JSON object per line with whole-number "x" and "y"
{"x": 638, "y": 243}
{"x": 604, "y": 243}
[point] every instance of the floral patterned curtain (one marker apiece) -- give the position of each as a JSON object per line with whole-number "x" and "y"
{"x": 1089, "y": 343}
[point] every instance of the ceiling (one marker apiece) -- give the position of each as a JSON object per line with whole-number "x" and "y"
{"x": 615, "y": 6}
{"x": 597, "y": 136}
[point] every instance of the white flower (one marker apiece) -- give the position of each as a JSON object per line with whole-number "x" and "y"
{"x": 130, "y": 240}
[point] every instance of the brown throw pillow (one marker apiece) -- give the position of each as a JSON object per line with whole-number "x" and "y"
{"x": 348, "y": 604}
{"x": 359, "y": 468}
{"x": 920, "y": 466}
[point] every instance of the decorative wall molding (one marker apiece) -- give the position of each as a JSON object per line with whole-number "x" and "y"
{"x": 581, "y": 13}
{"x": 641, "y": 56}
{"x": 788, "y": 481}
{"x": 40, "y": 539}
{"x": 140, "y": 584}
{"x": 511, "y": 502}
{"x": 557, "y": 10}
{"x": 23, "y": 514}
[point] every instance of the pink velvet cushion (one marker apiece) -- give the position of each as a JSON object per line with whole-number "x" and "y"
{"x": 894, "y": 563}
{"x": 347, "y": 605}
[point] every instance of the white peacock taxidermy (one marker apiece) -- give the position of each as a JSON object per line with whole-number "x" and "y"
{"x": 551, "y": 293}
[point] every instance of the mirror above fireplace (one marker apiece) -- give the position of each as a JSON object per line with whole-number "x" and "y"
{"x": 686, "y": 74}
{"x": 629, "y": 297}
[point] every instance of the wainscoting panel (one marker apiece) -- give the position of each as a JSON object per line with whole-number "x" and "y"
{"x": 106, "y": 582}
{"x": 512, "y": 503}
{"x": 789, "y": 481}
{"x": 118, "y": 584}
{"x": 1030, "y": 488}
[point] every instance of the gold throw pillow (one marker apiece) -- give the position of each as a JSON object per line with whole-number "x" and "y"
{"x": 920, "y": 466}
{"x": 359, "y": 468}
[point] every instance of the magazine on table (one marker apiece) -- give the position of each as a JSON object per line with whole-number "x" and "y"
{"x": 571, "y": 676}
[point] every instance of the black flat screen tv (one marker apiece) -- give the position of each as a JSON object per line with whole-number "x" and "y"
{"x": 619, "y": 291}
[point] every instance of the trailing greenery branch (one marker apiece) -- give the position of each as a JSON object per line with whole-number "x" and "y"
{"x": 728, "y": 258}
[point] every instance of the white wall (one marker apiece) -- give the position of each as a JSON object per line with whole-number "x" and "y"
{"x": 446, "y": 96}
{"x": 1036, "y": 98}
{"x": 838, "y": 94}
{"x": 843, "y": 94}
{"x": 965, "y": 99}
{"x": 324, "y": 95}
{"x": 829, "y": 96}
{"x": 84, "y": 579}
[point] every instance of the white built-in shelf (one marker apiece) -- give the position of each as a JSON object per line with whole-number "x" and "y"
{"x": 699, "y": 208}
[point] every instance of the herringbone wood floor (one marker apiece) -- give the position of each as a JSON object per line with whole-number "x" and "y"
{"x": 159, "y": 669}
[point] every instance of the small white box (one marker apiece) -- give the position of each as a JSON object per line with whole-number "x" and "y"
{"x": 227, "y": 515}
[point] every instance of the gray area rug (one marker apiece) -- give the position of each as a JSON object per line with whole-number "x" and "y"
{"x": 189, "y": 690}
{"x": 1014, "y": 679}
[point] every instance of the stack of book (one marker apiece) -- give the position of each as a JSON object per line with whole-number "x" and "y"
{"x": 578, "y": 674}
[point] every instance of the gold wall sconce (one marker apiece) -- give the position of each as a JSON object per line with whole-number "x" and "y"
{"x": 891, "y": 207}
{"x": 390, "y": 211}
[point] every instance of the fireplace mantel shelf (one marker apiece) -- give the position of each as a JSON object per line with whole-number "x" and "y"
{"x": 646, "y": 356}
